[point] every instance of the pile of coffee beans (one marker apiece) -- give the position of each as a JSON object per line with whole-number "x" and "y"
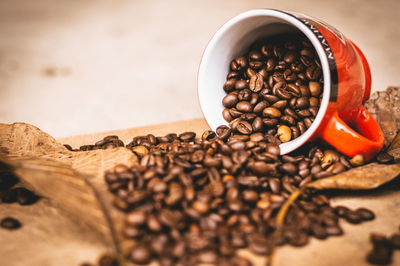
{"x": 197, "y": 200}
{"x": 108, "y": 142}
{"x": 275, "y": 88}
{"x": 383, "y": 248}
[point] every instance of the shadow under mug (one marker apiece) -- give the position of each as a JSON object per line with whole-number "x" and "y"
{"x": 342, "y": 120}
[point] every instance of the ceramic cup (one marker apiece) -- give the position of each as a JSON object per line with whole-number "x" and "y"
{"x": 342, "y": 119}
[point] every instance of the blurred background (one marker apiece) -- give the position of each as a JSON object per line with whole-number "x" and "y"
{"x": 83, "y": 66}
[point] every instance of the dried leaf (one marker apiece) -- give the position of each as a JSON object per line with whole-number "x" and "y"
{"x": 58, "y": 223}
{"x": 394, "y": 148}
{"x": 71, "y": 182}
{"x": 366, "y": 177}
{"x": 384, "y": 106}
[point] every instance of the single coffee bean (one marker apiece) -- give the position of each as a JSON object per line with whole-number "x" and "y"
{"x": 259, "y": 107}
{"x": 250, "y": 195}
{"x": 385, "y": 158}
{"x": 395, "y": 241}
{"x": 10, "y": 223}
{"x": 380, "y": 256}
{"x": 256, "y": 83}
{"x": 187, "y": 136}
{"x": 284, "y": 133}
{"x": 271, "y": 112}
{"x": 141, "y": 255}
{"x": 227, "y": 115}
{"x": 250, "y": 72}
{"x": 230, "y": 100}
{"x": 280, "y": 104}
{"x": 108, "y": 260}
{"x": 365, "y": 214}
{"x": 353, "y": 217}
{"x": 241, "y": 84}
{"x": 136, "y": 217}
{"x": 223, "y": 132}
{"x": 244, "y": 127}
{"x": 230, "y": 84}
{"x": 357, "y": 160}
{"x": 315, "y": 88}
{"x": 244, "y": 106}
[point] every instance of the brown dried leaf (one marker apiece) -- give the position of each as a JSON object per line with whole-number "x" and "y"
{"x": 394, "y": 148}
{"x": 384, "y": 106}
{"x": 72, "y": 182}
{"x": 58, "y": 223}
{"x": 366, "y": 177}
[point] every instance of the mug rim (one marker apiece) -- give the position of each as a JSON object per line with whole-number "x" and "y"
{"x": 294, "y": 21}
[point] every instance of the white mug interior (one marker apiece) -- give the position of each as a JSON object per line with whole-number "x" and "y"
{"x": 234, "y": 39}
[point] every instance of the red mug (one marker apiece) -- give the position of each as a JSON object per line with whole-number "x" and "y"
{"x": 342, "y": 120}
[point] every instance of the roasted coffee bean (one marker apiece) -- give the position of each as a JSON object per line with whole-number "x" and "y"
{"x": 108, "y": 260}
{"x": 385, "y": 158}
{"x": 341, "y": 211}
{"x": 187, "y": 136}
{"x": 256, "y": 83}
{"x": 10, "y": 223}
{"x": 223, "y": 131}
{"x": 141, "y": 255}
{"x": 239, "y": 64}
{"x": 357, "y": 160}
{"x": 284, "y": 133}
{"x": 230, "y": 100}
{"x": 365, "y": 214}
{"x": 257, "y": 124}
{"x": 381, "y": 255}
{"x": 395, "y": 241}
{"x": 230, "y": 83}
{"x": 136, "y": 218}
{"x": 353, "y": 217}
{"x": 241, "y": 85}
{"x": 244, "y": 127}
{"x": 244, "y": 106}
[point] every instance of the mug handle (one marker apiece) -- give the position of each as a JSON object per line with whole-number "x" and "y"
{"x": 369, "y": 141}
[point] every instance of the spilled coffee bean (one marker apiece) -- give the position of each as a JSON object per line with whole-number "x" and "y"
{"x": 10, "y": 223}
{"x": 383, "y": 248}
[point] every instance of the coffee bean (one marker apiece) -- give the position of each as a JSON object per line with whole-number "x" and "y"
{"x": 244, "y": 127}
{"x": 395, "y": 241}
{"x": 380, "y": 255}
{"x": 256, "y": 83}
{"x": 271, "y": 112}
{"x": 230, "y": 100}
{"x": 284, "y": 133}
{"x": 334, "y": 230}
{"x": 187, "y": 136}
{"x": 249, "y": 195}
{"x": 365, "y": 214}
{"x": 341, "y": 211}
{"x": 385, "y": 158}
{"x": 141, "y": 255}
{"x": 289, "y": 168}
{"x": 353, "y": 217}
{"x": 108, "y": 260}
{"x": 136, "y": 217}
{"x": 244, "y": 106}
{"x": 10, "y": 223}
